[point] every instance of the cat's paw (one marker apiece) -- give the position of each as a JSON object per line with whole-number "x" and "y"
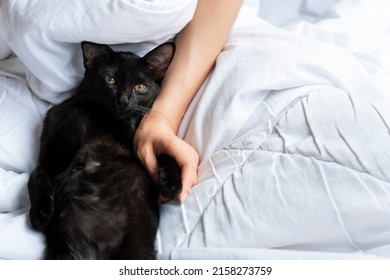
{"x": 41, "y": 198}
{"x": 169, "y": 179}
{"x": 41, "y": 213}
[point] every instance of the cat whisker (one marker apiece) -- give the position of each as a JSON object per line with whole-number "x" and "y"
{"x": 139, "y": 108}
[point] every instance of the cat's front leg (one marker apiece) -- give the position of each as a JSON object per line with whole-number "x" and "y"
{"x": 169, "y": 178}
{"x": 41, "y": 198}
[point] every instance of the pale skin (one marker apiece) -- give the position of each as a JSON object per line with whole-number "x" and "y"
{"x": 197, "y": 48}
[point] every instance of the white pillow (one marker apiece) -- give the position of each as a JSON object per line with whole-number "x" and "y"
{"x": 45, "y": 35}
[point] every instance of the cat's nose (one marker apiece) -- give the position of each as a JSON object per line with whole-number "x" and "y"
{"x": 124, "y": 99}
{"x": 125, "y": 96}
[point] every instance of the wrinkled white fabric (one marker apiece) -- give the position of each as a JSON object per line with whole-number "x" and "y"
{"x": 21, "y": 115}
{"x": 293, "y": 128}
{"x": 5, "y": 51}
{"x": 46, "y": 34}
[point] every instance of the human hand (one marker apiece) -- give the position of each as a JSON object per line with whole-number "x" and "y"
{"x": 155, "y": 136}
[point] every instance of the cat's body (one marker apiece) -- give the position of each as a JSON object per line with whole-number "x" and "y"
{"x": 90, "y": 195}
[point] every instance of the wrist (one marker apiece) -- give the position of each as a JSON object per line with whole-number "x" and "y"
{"x": 156, "y": 120}
{"x": 169, "y": 113}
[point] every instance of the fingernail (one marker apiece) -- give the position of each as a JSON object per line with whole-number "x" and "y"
{"x": 183, "y": 196}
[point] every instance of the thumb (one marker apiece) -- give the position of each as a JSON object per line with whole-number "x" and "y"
{"x": 187, "y": 159}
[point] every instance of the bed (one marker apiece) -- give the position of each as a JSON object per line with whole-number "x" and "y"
{"x": 292, "y": 127}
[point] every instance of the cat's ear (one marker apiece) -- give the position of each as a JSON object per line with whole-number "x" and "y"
{"x": 159, "y": 59}
{"x": 92, "y": 52}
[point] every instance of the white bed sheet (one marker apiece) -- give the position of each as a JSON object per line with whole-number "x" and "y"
{"x": 295, "y": 153}
{"x": 292, "y": 127}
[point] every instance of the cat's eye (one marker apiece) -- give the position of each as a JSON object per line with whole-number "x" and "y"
{"x": 141, "y": 88}
{"x": 109, "y": 80}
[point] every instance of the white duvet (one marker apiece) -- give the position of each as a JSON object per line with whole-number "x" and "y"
{"x": 292, "y": 126}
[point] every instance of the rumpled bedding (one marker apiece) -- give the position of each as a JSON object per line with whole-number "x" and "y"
{"x": 292, "y": 127}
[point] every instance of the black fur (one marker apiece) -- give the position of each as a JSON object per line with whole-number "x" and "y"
{"x": 90, "y": 195}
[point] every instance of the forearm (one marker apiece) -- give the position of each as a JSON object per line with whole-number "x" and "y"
{"x": 197, "y": 47}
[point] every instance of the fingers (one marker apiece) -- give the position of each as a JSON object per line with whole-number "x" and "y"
{"x": 187, "y": 159}
{"x": 155, "y": 137}
{"x": 189, "y": 179}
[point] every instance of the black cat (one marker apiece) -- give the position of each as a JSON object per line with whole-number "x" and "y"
{"x": 90, "y": 195}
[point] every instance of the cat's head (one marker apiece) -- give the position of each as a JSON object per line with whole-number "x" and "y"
{"x": 123, "y": 81}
